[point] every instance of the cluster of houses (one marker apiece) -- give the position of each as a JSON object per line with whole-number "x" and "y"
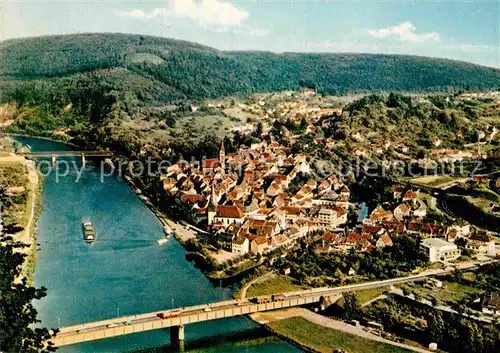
{"x": 259, "y": 198}
{"x": 382, "y": 225}
{"x": 252, "y": 202}
{"x": 366, "y": 143}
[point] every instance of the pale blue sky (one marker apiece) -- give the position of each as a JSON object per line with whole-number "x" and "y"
{"x": 462, "y": 30}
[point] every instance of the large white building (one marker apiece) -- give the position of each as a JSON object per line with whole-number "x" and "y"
{"x": 439, "y": 250}
{"x": 487, "y": 248}
{"x": 240, "y": 246}
{"x": 331, "y": 218}
{"x": 490, "y": 304}
{"x": 462, "y": 228}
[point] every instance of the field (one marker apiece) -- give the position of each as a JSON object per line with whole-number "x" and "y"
{"x": 218, "y": 125}
{"x": 434, "y": 180}
{"x": 275, "y": 284}
{"x": 191, "y": 128}
{"x": 369, "y": 294}
{"x": 146, "y": 57}
{"x": 366, "y": 295}
{"x": 483, "y": 204}
{"x": 326, "y": 340}
{"x": 452, "y": 292}
{"x": 484, "y": 198}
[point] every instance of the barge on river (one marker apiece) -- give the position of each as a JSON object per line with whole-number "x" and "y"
{"x": 88, "y": 231}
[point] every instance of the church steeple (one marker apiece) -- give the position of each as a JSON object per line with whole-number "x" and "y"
{"x": 222, "y": 155}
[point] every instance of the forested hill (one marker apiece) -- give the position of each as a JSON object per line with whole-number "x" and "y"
{"x": 158, "y": 69}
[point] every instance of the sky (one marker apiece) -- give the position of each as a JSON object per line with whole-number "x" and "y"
{"x": 465, "y": 30}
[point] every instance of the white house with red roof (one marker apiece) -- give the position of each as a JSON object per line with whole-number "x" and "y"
{"x": 259, "y": 245}
{"x": 226, "y": 215}
{"x": 383, "y": 241}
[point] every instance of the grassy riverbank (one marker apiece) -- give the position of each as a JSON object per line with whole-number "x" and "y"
{"x": 30, "y": 263}
{"x": 21, "y": 204}
{"x": 273, "y": 284}
{"x": 316, "y": 338}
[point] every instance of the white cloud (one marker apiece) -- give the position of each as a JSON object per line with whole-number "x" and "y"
{"x": 205, "y": 12}
{"x": 406, "y": 33}
{"x": 214, "y": 15}
{"x": 210, "y": 12}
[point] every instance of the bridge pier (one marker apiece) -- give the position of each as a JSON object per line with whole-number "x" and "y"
{"x": 177, "y": 334}
{"x": 53, "y": 160}
{"x": 176, "y": 347}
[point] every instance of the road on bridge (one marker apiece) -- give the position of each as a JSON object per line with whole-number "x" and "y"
{"x": 181, "y": 316}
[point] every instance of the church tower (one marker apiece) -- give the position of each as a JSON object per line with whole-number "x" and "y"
{"x": 222, "y": 156}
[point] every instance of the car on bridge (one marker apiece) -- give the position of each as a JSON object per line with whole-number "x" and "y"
{"x": 261, "y": 300}
{"x": 278, "y": 297}
{"x": 169, "y": 314}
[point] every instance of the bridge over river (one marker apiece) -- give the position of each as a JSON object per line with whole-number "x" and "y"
{"x": 54, "y": 154}
{"x": 175, "y": 319}
{"x": 67, "y": 154}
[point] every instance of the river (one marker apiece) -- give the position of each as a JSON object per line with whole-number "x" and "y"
{"x": 124, "y": 272}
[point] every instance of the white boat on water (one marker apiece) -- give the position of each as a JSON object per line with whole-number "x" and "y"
{"x": 168, "y": 232}
{"x": 162, "y": 241}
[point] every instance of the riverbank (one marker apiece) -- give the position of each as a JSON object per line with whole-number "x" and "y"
{"x": 22, "y": 183}
{"x": 31, "y": 258}
{"x": 164, "y": 220}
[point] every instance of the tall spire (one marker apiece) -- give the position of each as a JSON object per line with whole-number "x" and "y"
{"x": 222, "y": 149}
